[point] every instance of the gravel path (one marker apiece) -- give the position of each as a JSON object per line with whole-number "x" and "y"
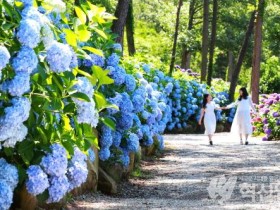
{"x": 184, "y": 178}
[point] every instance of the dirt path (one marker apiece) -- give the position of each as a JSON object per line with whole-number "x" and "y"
{"x": 183, "y": 178}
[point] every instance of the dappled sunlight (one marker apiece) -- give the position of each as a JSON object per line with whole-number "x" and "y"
{"x": 180, "y": 179}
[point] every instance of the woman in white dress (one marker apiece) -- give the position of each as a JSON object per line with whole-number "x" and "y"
{"x": 208, "y": 108}
{"x": 241, "y": 124}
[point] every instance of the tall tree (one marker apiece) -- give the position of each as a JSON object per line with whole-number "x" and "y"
{"x": 119, "y": 23}
{"x": 213, "y": 41}
{"x": 130, "y": 30}
{"x": 235, "y": 73}
{"x": 186, "y": 54}
{"x": 180, "y": 4}
{"x": 230, "y": 66}
{"x": 255, "y": 80}
{"x": 205, "y": 35}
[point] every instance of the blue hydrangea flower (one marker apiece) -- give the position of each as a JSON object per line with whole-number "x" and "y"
{"x": 126, "y": 105}
{"x": 97, "y": 60}
{"x": 104, "y": 153}
{"x": 106, "y": 139}
{"x": 125, "y": 121}
{"x": 32, "y": 13}
{"x": 117, "y": 74}
{"x": 29, "y": 33}
{"x": 47, "y": 36}
{"x": 4, "y": 57}
{"x": 87, "y": 113}
{"x": 77, "y": 170}
{"x": 149, "y": 141}
{"x": 59, "y": 57}
{"x": 116, "y": 101}
{"x": 139, "y": 75}
{"x": 146, "y": 68}
{"x": 6, "y": 195}
{"x": 91, "y": 155}
{"x": 130, "y": 83}
{"x": 125, "y": 159}
{"x": 9, "y": 173}
{"x": 117, "y": 47}
{"x": 138, "y": 103}
{"x": 74, "y": 60}
{"x": 19, "y": 85}
{"x": 132, "y": 142}
{"x": 145, "y": 115}
{"x": 83, "y": 85}
{"x": 59, "y": 186}
{"x": 113, "y": 60}
{"x": 27, "y": 2}
{"x": 55, "y": 163}
{"x": 25, "y": 61}
{"x": 169, "y": 88}
{"x": 37, "y": 181}
{"x": 14, "y": 135}
{"x": 17, "y": 113}
{"x": 117, "y": 137}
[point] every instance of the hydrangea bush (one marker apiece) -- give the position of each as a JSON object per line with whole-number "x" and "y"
{"x": 49, "y": 106}
{"x": 267, "y": 122}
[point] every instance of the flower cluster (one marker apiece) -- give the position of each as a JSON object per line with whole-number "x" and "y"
{"x": 268, "y": 122}
{"x": 4, "y": 58}
{"x": 187, "y": 71}
{"x": 57, "y": 174}
{"x": 87, "y": 112}
{"x": 12, "y": 129}
{"x": 8, "y": 182}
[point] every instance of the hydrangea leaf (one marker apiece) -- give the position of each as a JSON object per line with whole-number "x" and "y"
{"x": 81, "y": 15}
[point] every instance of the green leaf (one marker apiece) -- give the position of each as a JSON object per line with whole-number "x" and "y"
{"x": 101, "y": 33}
{"x": 102, "y": 76}
{"x": 94, "y": 50}
{"x": 42, "y": 136}
{"x": 80, "y": 96}
{"x": 92, "y": 79}
{"x": 68, "y": 145}
{"x": 69, "y": 108}
{"x": 109, "y": 122}
{"x": 71, "y": 37}
{"x": 83, "y": 35}
{"x": 26, "y": 151}
{"x": 100, "y": 100}
{"x": 81, "y": 15}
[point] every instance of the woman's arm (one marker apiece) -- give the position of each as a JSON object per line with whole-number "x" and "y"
{"x": 201, "y": 115}
{"x": 252, "y": 105}
{"x": 233, "y": 104}
{"x": 217, "y": 106}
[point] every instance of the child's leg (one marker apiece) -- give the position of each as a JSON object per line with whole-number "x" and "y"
{"x": 241, "y": 141}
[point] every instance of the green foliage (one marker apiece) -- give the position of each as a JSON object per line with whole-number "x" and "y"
{"x": 270, "y": 75}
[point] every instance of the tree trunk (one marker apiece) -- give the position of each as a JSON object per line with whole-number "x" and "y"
{"x": 241, "y": 56}
{"x": 119, "y": 23}
{"x": 175, "y": 37}
{"x": 130, "y": 30}
{"x": 186, "y": 59}
{"x": 255, "y": 80}
{"x": 205, "y": 40}
{"x": 230, "y": 66}
{"x": 186, "y": 55}
{"x": 213, "y": 41}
